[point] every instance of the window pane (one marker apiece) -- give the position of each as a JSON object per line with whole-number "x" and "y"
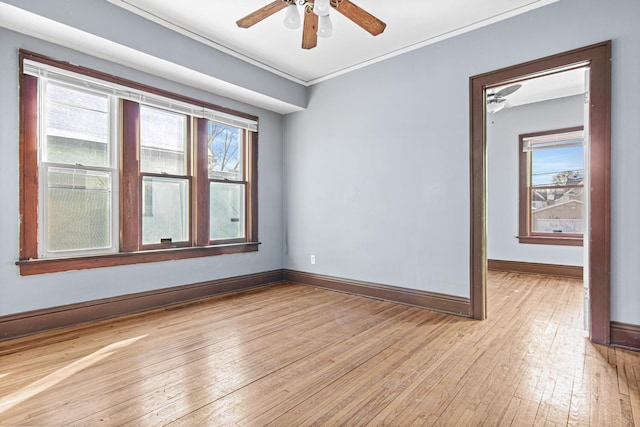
{"x": 165, "y": 210}
{"x": 163, "y": 141}
{"x": 558, "y": 166}
{"x": 78, "y": 211}
{"x": 226, "y": 211}
{"x": 225, "y": 152}
{"x": 77, "y": 127}
{"x": 557, "y": 210}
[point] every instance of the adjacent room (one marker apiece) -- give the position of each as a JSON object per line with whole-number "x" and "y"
{"x": 296, "y": 212}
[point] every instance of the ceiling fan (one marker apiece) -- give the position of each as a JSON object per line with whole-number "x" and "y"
{"x": 316, "y": 17}
{"x": 496, "y": 100}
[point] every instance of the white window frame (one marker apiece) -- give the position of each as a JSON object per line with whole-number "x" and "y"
{"x": 44, "y": 166}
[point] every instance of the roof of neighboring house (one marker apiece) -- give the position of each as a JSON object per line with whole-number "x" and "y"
{"x": 557, "y": 205}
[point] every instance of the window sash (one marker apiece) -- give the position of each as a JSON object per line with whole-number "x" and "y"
{"x": 43, "y": 173}
{"x": 225, "y": 174}
{"x": 217, "y": 218}
{"x": 181, "y": 168}
{"x": 44, "y": 229}
{"x": 183, "y": 213}
{"x": 555, "y": 140}
{"x": 530, "y": 210}
{"x": 531, "y": 230}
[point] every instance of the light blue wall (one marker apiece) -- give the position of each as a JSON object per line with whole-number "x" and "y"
{"x": 18, "y": 294}
{"x": 377, "y": 167}
{"x": 503, "y": 130}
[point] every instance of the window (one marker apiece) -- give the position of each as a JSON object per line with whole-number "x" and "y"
{"x": 227, "y": 182}
{"x": 552, "y": 187}
{"x": 77, "y": 172}
{"x": 165, "y": 172}
{"x": 114, "y": 172}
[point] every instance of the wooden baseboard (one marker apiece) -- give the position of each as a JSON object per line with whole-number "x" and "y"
{"x": 625, "y": 335}
{"x": 571, "y": 271}
{"x": 31, "y": 322}
{"x": 16, "y": 325}
{"x": 429, "y": 300}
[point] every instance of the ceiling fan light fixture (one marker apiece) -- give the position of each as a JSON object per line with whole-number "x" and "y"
{"x": 325, "y": 26}
{"x": 292, "y": 17}
{"x": 316, "y": 21}
{"x": 321, "y": 7}
{"x": 496, "y": 100}
{"x": 494, "y": 107}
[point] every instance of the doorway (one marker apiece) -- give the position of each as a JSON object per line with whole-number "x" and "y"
{"x": 597, "y": 262}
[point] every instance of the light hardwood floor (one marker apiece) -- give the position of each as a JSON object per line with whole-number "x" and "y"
{"x": 290, "y": 355}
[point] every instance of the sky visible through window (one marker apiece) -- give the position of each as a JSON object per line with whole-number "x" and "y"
{"x": 547, "y": 163}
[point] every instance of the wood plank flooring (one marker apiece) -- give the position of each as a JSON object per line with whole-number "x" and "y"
{"x": 289, "y": 355}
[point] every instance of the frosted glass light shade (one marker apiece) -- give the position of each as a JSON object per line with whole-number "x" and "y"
{"x": 494, "y": 107}
{"x": 321, "y": 7}
{"x": 292, "y": 17}
{"x": 325, "y": 27}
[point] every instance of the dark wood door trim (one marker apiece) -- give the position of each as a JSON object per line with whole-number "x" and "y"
{"x": 598, "y": 57}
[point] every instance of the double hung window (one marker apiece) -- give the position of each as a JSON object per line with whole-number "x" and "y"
{"x": 114, "y": 172}
{"x": 227, "y": 182}
{"x": 165, "y": 171}
{"x": 78, "y": 171}
{"x": 552, "y": 187}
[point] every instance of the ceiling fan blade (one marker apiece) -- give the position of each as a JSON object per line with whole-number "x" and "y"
{"x": 507, "y": 90}
{"x": 310, "y": 30}
{"x": 361, "y": 17}
{"x": 260, "y": 14}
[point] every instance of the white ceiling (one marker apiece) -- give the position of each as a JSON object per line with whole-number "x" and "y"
{"x": 350, "y": 48}
{"x": 269, "y": 44}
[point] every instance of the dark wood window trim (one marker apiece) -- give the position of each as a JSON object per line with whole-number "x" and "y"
{"x": 130, "y": 219}
{"x": 131, "y": 250}
{"x": 548, "y": 240}
{"x": 252, "y": 187}
{"x": 201, "y": 184}
{"x": 28, "y": 166}
{"x": 54, "y": 265}
{"x": 525, "y": 235}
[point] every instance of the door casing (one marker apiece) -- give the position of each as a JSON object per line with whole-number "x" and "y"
{"x": 598, "y": 58}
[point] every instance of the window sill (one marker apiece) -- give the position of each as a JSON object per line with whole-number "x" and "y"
{"x": 54, "y": 265}
{"x": 551, "y": 240}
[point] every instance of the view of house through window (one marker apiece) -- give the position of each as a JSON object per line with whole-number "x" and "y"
{"x": 553, "y": 176}
{"x": 116, "y": 174}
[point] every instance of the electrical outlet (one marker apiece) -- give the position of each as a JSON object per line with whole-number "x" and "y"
{"x": 313, "y": 259}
